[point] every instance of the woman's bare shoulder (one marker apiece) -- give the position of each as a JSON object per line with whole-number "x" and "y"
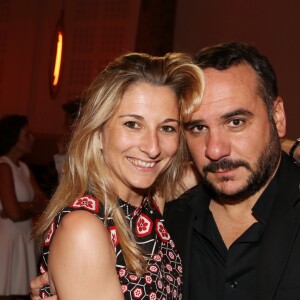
{"x": 82, "y": 259}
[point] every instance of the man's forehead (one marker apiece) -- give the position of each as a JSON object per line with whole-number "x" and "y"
{"x": 237, "y": 73}
{"x": 227, "y": 91}
{"x": 233, "y": 82}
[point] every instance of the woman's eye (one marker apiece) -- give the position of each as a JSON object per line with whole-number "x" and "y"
{"x": 131, "y": 124}
{"x": 168, "y": 128}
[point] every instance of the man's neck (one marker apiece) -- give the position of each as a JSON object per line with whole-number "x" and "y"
{"x": 233, "y": 219}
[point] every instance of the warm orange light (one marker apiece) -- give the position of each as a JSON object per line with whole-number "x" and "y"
{"x": 58, "y": 57}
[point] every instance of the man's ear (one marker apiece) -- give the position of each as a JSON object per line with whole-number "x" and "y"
{"x": 279, "y": 116}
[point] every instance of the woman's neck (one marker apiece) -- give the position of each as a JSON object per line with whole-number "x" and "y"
{"x": 134, "y": 198}
{"x": 13, "y": 156}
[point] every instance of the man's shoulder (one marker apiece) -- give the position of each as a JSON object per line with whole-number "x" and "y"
{"x": 182, "y": 202}
{"x": 287, "y": 163}
{"x": 289, "y": 174}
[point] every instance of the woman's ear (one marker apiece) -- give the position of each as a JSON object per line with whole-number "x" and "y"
{"x": 279, "y": 116}
{"x": 100, "y": 140}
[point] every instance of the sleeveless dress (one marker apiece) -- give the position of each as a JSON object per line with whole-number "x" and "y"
{"x": 18, "y": 264}
{"x": 163, "y": 278}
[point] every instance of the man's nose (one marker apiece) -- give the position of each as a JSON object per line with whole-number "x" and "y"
{"x": 217, "y": 145}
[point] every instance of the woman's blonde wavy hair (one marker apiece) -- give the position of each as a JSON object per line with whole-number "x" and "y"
{"x": 85, "y": 170}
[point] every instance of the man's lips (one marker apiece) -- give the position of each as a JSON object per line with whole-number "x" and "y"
{"x": 221, "y": 171}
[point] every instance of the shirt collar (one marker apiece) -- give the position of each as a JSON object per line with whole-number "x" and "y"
{"x": 262, "y": 208}
{"x": 199, "y": 202}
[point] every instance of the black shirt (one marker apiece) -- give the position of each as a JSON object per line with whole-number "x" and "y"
{"x": 220, "y": 273}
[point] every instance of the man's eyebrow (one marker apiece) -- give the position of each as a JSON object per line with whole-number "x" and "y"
{"x": 237, "y": 112}
{"x": 191, "y": 123}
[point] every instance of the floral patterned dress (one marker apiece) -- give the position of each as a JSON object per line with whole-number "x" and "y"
{"x": 163, "y": 278}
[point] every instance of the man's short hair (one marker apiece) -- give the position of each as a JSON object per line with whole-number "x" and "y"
{"x": 229, "y": 54}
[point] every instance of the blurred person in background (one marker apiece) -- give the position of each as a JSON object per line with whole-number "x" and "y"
{"x": 21, "y": 199}
{"x": 71, "y": 110}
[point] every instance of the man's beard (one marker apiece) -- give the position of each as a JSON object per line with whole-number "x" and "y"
{"x": 259, "y": 175}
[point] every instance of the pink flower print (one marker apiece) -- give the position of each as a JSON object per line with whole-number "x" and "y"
{"x": 138, "y": 293}
{"x": 171, "y": 255}
{"x": 168, "y": 289}
{"x": 42, "y": 269}
{"x": 157, "y": 258}
{"x": 169, "y": 267}
{"x": 148, "y": 279}
{"x": 162, "y": 231}
{"x": 143, "y": 225}
{"x": 179, "y": 268}
{"x": 50, "y": 234}
{"x": 133, "y": 278}
{"x": 152, "y": 296}
{"x": 170, "y": 278}
{"x": 124, "y": 288}
{"x": 159, "y": 285}
{"x": 153, "y": 269}
{"x": 88, "y": 202}
{"x": 113, "y": 236}
{"x": 122, "y": 273}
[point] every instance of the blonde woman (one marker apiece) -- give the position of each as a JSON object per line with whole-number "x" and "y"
{"x": 103, "y": 230}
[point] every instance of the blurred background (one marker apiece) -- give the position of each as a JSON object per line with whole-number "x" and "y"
{"x": 97, "y": 31}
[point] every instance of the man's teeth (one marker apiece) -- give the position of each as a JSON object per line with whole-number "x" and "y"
{"x": 140, "y": 163}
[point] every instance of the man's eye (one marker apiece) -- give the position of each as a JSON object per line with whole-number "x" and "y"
{"x": 197, "y": 128}
{"x": 236, "y": 123}
{"x": 131, "y": 124}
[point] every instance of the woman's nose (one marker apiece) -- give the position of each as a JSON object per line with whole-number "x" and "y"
{"x": 150, "y": 144}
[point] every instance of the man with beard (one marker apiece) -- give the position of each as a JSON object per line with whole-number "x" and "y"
{"x": 238, "y": 231}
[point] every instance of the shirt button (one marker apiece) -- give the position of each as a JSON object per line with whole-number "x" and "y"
{"x": 233, "y": 284}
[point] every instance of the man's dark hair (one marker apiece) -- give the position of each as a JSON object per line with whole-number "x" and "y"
{"x": 10, "y": 128}
{"x": 226, "y": 55}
